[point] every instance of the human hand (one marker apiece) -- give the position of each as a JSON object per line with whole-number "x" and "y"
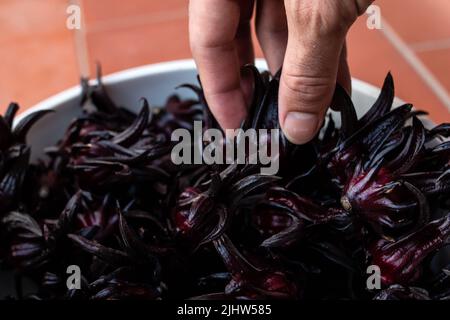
{"x": 307, "y": 37}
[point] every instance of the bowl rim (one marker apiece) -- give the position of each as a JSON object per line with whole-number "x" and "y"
{"x": 152, "y": 69}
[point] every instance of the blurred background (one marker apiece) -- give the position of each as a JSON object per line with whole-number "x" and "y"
{"x": 40, "y": 56}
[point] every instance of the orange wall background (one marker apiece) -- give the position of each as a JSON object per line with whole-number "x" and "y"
{"x": 38, "y": 53}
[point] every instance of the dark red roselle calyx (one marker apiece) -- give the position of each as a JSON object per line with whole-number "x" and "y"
{"x": 356, "y": 137}
{"x": 26, "y": 240}
{"x": 370, "y": 143}
{"x": 82, "y": 131}
{"x": 122, "y": 284}
{"x": 14, "y": 154}
{"x": 249, "y": 281}
{"x": 284, "y": 215}
{"x": 384, "y": 203}
{"x": 10, "y": 136}
{"x": 136, "y": 268}
{"x": 103, "y": 214}
{"x": 400, "y": 261}
{"x": 376, "y": 190}
{"x": 378, "y": 163}
{"x": 15, "y": 165}
{"x": 179, "y": 114}
{"x": 182, "y": 211}
{"x": 272, "y": 285}
{"x": 205, "y": 215}
{"x": 304, "y": 207}
{"x": 124, "y": 290}
{"x": 31, "y": 242}
{"x": 120, "y": 157}
{"x": 198, "y": 217}
{"x": 104, "y": 144}
{"x": 269, "y": 220}
{"x": 278, "y": 282}
{"x": 398, "y": 292}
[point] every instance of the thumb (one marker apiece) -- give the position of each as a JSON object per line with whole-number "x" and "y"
{"x": 310, "y": 67}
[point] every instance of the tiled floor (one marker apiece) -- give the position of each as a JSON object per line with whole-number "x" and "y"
{"x": 37, "y": 56}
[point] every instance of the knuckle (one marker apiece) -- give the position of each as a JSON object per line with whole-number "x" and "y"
{"x": 310, "y": 91}
{"x": 323, "y": 17}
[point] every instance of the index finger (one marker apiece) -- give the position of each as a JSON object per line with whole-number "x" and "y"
{"x": 212, "y": 29}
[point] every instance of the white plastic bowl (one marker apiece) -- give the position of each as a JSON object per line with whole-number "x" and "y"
{"x": 154, "y": 82}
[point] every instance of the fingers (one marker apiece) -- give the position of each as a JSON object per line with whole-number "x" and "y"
{"x": 213, "y": 25}
{"x": 308, "y": 79}
{"x": 314, "y": 56}
{"x": 272, "y": 31}
{"x": 315, "y": 59}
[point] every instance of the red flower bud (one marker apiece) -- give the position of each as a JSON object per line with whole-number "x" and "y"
{"x": 400, "y": 261}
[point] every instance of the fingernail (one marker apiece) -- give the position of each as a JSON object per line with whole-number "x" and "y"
{"x": 301, "y": 127}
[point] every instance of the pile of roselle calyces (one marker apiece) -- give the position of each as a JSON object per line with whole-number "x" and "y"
{"x": 364, "y": 201}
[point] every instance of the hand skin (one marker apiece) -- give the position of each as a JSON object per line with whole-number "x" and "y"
{"x": 306, "y": 37}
